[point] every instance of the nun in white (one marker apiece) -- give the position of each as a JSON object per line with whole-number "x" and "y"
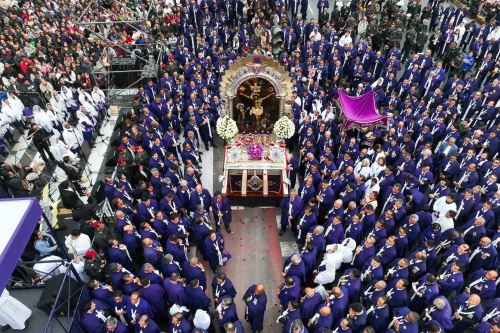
{"x": 335, "y": 255}
{"x": 58, "y": 103}
{"x": 99, "y": 98}
{"x": 69, "y": 99}
{"x": 85, "y": 97}
{"x": 13, "y": 312}
{"x": 42, "y": 119}
{"x": 12, "y": 112}
{"x": 17, "y": 104}
{"x": 56, "y": 116}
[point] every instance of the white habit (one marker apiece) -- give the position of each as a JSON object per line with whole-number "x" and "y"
{"x": 333, "y": 258}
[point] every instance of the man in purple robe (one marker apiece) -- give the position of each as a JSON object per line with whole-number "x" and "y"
{"x": 291, "y": 209}
{"x": 196, "y": 297}
{"x": 178, "y": 324}
{"x": 294, "y": 266}
{"x": 221, "y": 208}
{"x": 115, "y": 326}
{"x": 226, "y": 311}
{"x": 94, "y": 316}
{"x": 152, "y": 254}
{"x": 439, "y": 312}
{"x": 200, "y": 196}
{"x": 154, "y": 294}
{"x": 214, "y": 250}
{"x": 289, "y": 290}
{"x": 308, "y": 303}
{"x": 195, "y": 270}
{"x": 137, "y": 307}
{"x": 221, "y": 287}
{"x": 175, "y": 290}
{"x": 147, "y": 325}
{"x": 256, "y": 301}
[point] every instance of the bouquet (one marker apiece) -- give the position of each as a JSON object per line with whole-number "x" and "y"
{"x": 255, "y": 151}
{"x": 284, "y": 128}
{"x": 226, "y": 128}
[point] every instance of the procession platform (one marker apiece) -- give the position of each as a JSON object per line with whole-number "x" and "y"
{"x": 255, "y": 171}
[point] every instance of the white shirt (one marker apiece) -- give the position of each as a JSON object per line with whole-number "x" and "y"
{"x": 445, "y": 223}
{"x": 80, "y": 245}
{"x": 345, "y": 39}
{"x": 442, "y": 207}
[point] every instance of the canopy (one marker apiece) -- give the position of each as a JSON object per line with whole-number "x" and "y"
{"x": 360, "y": 111}
{"x": 19, "y": 217}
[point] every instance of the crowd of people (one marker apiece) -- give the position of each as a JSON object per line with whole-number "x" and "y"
{"x": 397, "y": 227}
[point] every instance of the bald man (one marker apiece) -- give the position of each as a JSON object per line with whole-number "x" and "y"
{"x": 256, "y": 301}
{"x": 468, "y": 313}
{"x": 323, "y": 319}
{"x": 309, "y": 303}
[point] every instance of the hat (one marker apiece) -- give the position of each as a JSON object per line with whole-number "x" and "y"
{"x": 137, "y": 148}
{"x": 121, "y": 160}
{"x": 90, "y": 254}
{"x": 121, "y": 149}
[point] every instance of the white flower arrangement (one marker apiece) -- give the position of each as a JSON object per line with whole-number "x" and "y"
{"x": 284, "y": 128}
{"x": 226, "y": 128}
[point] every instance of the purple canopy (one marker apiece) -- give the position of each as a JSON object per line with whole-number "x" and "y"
{"x": 19, "y": 218}
{"x": 360, "y": 111}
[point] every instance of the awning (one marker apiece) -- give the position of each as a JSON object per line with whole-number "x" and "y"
{"x": 360, "y": 112}
{"x": 19, "y": 218}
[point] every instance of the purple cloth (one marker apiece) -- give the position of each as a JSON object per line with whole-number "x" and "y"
{"x": 360, "y": 111}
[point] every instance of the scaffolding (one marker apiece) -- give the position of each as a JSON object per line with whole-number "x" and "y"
{"x": 134, "y": 64}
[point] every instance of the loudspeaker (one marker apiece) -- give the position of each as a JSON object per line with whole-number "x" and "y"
{"x": 70, "y": 291}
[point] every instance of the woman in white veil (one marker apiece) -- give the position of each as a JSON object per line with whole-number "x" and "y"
{"x": 69, "y": 99}
{"x": 335, "y": 255}
{"x": 42, "y": 119}
{"x": 58, "y": 104}
{"x": 12, "y": 111}
{"x": 99, "y": 98}
{"x": 6, "y": 131}
{"x": 18, "y": 105}
{"x": 56, "y": 118}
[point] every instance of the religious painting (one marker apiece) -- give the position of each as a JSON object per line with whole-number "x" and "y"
{"x": 255, "y": 106}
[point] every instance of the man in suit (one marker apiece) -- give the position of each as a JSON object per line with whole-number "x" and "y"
{"x": 71, "y": 200}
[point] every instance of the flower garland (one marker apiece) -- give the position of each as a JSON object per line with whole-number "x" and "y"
{"x": 284, "y": 128}
{"x": 255, "y": 151}
{"x": 226, "y": 128}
